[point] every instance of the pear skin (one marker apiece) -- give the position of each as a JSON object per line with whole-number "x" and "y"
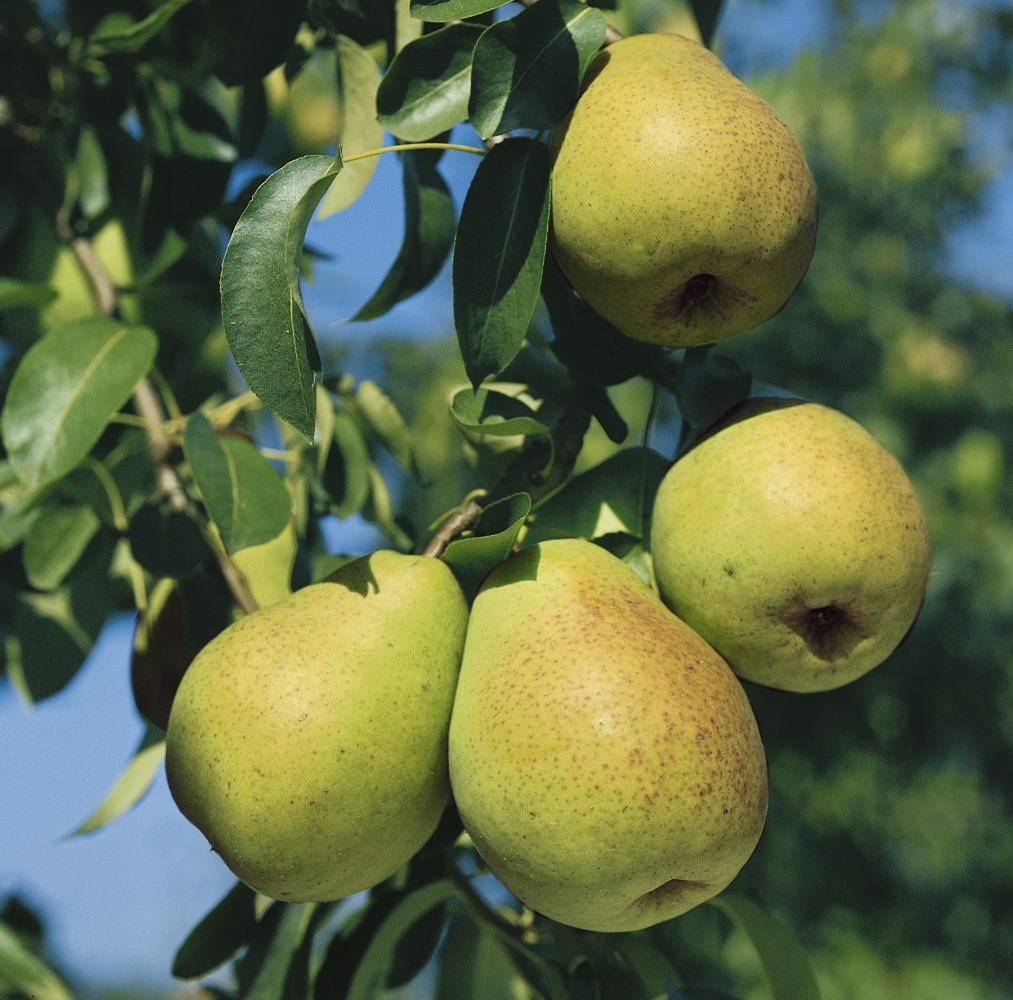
{"x": 308, "y": 741}
{"x": 604, "y": 759}
{"x": 794, "y": 542}
{"x": 683, "y": 209}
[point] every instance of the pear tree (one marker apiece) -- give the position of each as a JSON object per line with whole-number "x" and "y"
{"x": 487, "y": 757}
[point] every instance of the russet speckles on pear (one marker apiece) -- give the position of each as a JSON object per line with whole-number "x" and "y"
{"x": 824, "y": 534}
{"x": 682, "y": 208}
{"x": 599, "y": 749}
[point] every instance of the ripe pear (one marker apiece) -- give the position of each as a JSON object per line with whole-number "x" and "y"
{"x": 794, "y": 543}
{"x": 604, "y": 759}
{"x": 683, "y": 209}
{"x": 308, "y": 741}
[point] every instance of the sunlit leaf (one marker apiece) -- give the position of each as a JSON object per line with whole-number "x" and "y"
{"x": 65, "y": 390}
{"x": 499, "y": 254}
{"x": 25, "y": 973}
{"x": 262, "y": 306}
{"x": 451, "y": 10}
{"x": 527, "y": 69}
{"x": 473, "y": 558}
{"x": 494, "y": 411}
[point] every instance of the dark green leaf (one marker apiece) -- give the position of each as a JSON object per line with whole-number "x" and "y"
{"x": 614, "y": 496}
{"x": 425, "y": 90}
{"x": 262, "y": 307}
{"x": 166, "y": 542}
{"x": 649, "y": 963}
{"x": 527, "y": 69}
{"x": 372, "y": 971}
{"x": 474, "y": 965}
{"x": 252, "y": 36}
{"x": 346, "y": 475}
{"x": 709, "y": 385}
{"x": 428, "y": 235}
{"x": 265, "y": 966}
{"x": 218, "y": 936}
{"x": 55, "y": 541}
{"x": 451, "y": 10}
{"x": 490, "y": 410}
{"x": 136, "y": 35}
{"x": 65, "y": 390}
{"x": 706, "y": 13}
{"x": 357, "y": 78}
{"x": 243, "y": 495}
{"x": 786, "y": 965}
{"x": 416, "y": 947}
{"x": 473, "y": 558}
{"x": 16, "y": 294}
{"x": 499, "y": 254}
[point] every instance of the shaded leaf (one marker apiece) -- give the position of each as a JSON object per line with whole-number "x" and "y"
{"x": 265, "y": 966}
{"x": 474, "y": 964}
{"x": 262, "y": 306}
{"x": 358, "y": 77}
{"x": 709, "y": 385}
{"x": 251, "y": 37}
{"x": 132, "y": 784}
{"x": 384, "y": 421}
{"x": 495, "y": 411}
{"x": 92, "y": 175}
{"x": 166, "y": 541}
{"x": 65, "y": 390}
{"x": 428, "y": 235}
{"x": 133, "y": 37}
{"x": 55, "y": 541}
{"x": 219, "y": 935}
{"x": 527, "y": 69}
{"x": 346, "y": 475}
{"x": 25, "y": 973}
{"x": 16, "y": 294}
{"x": 706, "y": 13}
{"x": 473, "y": 558}
{"x": 499, "y": 254}
{"x": 244, "y": 496}
{"x": 786, "y": 966}
{"x": 425, "y": 89}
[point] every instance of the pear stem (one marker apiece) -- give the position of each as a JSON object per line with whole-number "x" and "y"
{"x": 409, "y": 146}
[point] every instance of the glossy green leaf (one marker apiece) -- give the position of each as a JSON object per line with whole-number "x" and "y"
{"x": 614, "y": 496}
{"x": 16, "y": 294}
{"x": 499, "y": 254}
{"x": 24, "y": 973}
{"x": 451, "y": 10}
{"x": 262, "y": 306}
{"x": 243, "y": 494}
{"x": 786, "y": 966}
{"x": 65, "y": 390}
{"x": 358, "y": 78}
{"x": 55, "y": 541}
{"x": 425, "y": 89}
{"x": 132, "y": 784}
{"x": 371, "y": 973}
{"x": 219, "y": 935}
{"x": 495, "y": 411}
{"x": 384, "y": 421}
{"x": 706, "y": 13}
{"x": 476, "y": 966}
{"x": 472, "y": 558}
{"x": 527, "y": 69}
{"x": 430, "y": 223}
{"x": 136, "y": 35}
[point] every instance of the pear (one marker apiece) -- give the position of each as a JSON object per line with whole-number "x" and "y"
{"x": 794, "y": 543}
{"x": 603, "y": 758}
{"x": 308, "y": 741}
{"x": 683, "y": 209}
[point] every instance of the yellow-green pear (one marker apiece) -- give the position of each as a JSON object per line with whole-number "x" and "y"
{"x": 683, "y": 209}
{"x": 604, "y": 759}
{"x": 793, "y": 541}
{"x": 308, "y": 741}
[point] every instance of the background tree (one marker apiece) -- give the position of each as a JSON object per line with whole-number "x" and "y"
{"x": 132, "y": 139}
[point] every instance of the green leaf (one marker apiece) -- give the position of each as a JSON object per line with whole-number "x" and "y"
{"x": 614, "y": 496}
{"x": 251, "y": 37}
{"x": 786, "y": 966}
{"x": 649, "y": 963}
{"x": 476, "y": 965}
{"x": 451, "y": 10}
{"x": 243, "y": 495}
{"x": 428, "y": 237}
{"x": 265, "y": 967}
{"x": 706, "y": 13}
{"x": 425, "y": 89}
{"x": 346, "y": 475}
{"x": 379, "y": 508}
{"x": 473, "y": 558}
{"x": 372, "y": 971}
{"x": 24, "y": 973}
{"x": 132, "y": 784}
{"x": 92, "y": 175}
{"x": 219, "y": 935}
{"x": 65, "y": 390}
{"x": 166, "y": 541}
{"x": 384, "y": 421}
{"x": 709, "y": 385}
{"x": 499, "y": 254}
{"x": 135, "y": 36}
{"x": 16, "y": 294}
{"x": 55, "y": 541}
{"x": 495, "y": 409}
{"x": 358, "y": 78}
{"x": 262, "y": 306}
{"x": 527, "y": 69}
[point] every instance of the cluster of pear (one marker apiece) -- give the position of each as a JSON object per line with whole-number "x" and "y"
{"x": 592, "y": 729}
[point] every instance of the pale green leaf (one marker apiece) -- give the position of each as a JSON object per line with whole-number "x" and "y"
{"x": 25, "y": 973}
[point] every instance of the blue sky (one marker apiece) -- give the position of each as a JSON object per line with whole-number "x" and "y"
{"x": 117, "y": 903}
